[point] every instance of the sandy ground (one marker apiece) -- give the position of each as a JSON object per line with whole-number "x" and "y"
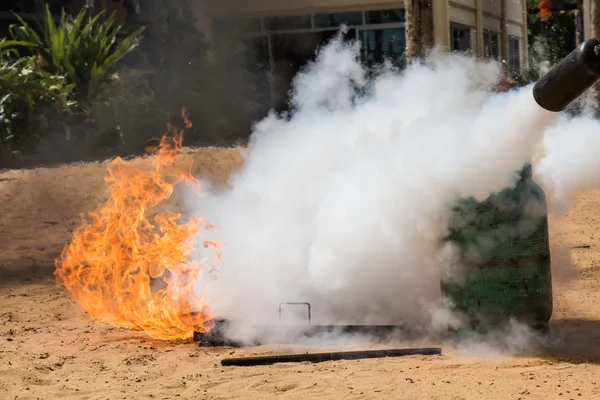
{"x": 49, "y": 349}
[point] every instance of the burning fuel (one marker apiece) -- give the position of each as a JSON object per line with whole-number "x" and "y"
{"x": 111, "y": 260}
{"x": 343, "y": 203}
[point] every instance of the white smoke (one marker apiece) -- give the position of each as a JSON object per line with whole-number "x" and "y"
{"x": 570, "y": 163}
{"x": 344, "y": 202}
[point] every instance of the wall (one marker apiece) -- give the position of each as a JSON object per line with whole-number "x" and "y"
{"x": 587, "y": 17}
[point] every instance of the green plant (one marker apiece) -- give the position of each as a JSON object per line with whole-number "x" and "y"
{"x": 84, "y": 49}
{"x": 25, "y": 89}
{"x": 73, "y": 65}
{"x": 552, "y": 29}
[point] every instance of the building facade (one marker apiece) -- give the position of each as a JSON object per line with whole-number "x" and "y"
{"x": 488, "y": 28}
{"x": 279, "y": 36}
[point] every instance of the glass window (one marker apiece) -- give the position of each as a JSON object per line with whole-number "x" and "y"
{"x": 460, "y": 36}
{"x": 337, "y": 19}
{"x": 288, "y": 22}
{"x": 491, "y": 44}
{"x": 381, "y": 44}
{"x": 384, "y": 16}
{"x": 514, "y": 53}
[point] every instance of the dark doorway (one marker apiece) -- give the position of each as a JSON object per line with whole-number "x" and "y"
{"x": 292, "y": 51}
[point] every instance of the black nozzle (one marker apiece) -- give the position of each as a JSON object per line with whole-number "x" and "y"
{"x": 568, "y": 79}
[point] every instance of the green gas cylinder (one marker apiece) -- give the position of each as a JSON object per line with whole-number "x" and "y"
{"x": 503, "y": 265}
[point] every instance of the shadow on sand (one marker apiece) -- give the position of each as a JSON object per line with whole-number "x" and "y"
{"x": 573, "y": 340}
{"x": 21, "y": 274}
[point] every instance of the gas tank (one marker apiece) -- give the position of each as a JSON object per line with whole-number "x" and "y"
{"x": 503, "y": 270}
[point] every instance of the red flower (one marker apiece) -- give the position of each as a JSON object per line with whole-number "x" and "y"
{"x": 545, "y": 8}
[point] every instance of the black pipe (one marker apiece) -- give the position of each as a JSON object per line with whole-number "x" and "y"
{"x": 568, "y": 79}
{"x": 322, "y": 357}
{"x": 279, "y": 334}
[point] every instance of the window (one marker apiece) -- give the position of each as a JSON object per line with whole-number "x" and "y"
{"x": 275, "y": 47}
{"x": 460, "y": 36}
{"x": 338, "y": 19}
{"x": 514, "y": 54}
{"x": 381, "y": 44}
{"x": 491, "y": 44}
{"x": 384, "y": 16}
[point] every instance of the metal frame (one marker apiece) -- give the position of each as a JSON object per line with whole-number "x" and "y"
{"x": 297, "y": 304}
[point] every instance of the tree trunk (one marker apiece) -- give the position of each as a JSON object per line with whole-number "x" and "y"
{"x": 411, "y": 29}
{"x": 426, "y": 25}
{"x": 418, "y": 28}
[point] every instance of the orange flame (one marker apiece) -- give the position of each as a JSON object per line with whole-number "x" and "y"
{"x": 108, "y": 266}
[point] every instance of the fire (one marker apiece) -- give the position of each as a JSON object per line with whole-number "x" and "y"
{"x": 108, "y": 266}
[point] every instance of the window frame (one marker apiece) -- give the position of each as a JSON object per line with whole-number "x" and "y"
{"x": 489, "y": 33}
{"x": 515, "y": 56}
{"x": 460, "y": 26}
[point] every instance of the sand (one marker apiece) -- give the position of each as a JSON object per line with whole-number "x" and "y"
{"x": 49, "y": 349}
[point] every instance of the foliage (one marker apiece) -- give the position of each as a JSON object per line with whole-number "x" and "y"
{"x": 85, "y": 50}
{"x": 128, "y": 108}
{"x": 552, "y": 29}
{"x": 69, "y": 79}
{"x": 25, "y": 88}
{"x": 545, "y": 8}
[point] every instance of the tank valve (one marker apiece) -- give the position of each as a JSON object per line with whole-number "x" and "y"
{"x": 568, "y": 79}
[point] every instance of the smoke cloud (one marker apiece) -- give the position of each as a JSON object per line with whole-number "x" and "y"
{"x": 571, "y": 163}
{"x": 345, "y": 201}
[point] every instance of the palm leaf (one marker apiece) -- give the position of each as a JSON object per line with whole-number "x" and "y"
{"x": 84, "y": 49}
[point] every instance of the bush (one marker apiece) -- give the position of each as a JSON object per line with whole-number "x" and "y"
{"x": 26, "y": 89}
{"x": 69, "y": 76}
{"x": 85, "y": 50}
